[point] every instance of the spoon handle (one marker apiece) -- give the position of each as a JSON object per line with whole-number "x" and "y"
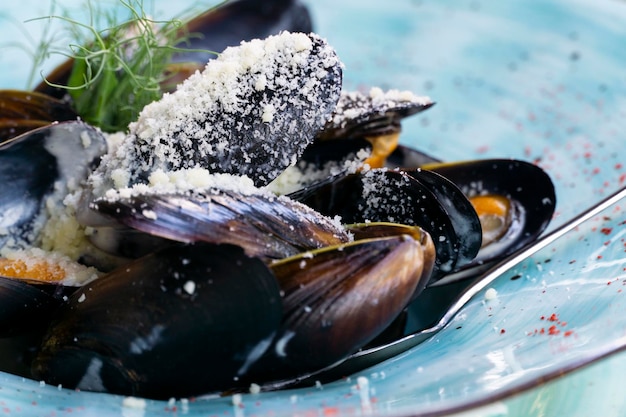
{"x": 511, "y": 261}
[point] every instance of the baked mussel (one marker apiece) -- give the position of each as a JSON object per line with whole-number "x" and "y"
{"x": 515, "y": 201}
{"x": 328, "y": 269}
{"x": 382, "y": 195}
{"x": 323, "y": 290}
{"x": 509, "y": 202}
{"x": 182, "y": 321}
{"x": 39, "y": 169}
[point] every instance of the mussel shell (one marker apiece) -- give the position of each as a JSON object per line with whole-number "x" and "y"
{"x": 529, "y": 189}
{"x": 395, "y": 196}
{"x": 183, "y": 321}
{"x": 322, "y": 162}
{"x": 27, "y": 305}
{"x": 337, "y": 299}
{"x": 27, "y": 172}
{"x": 363, "y": 231}
{"x": 241, "y": 20}
{"x": 320, "y": 153}
{"x": 264, "y": 225}
{"x": 464, "y": 219}
{"x": 409, "y": 158}
{"x": 278, "y": 98}
{"x": 21, "y": 111}
{"x": 360, "y": 115}
{"x": 36, "y": 164}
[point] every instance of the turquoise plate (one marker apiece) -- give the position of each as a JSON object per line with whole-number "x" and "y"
{"x": 540, "y": 80}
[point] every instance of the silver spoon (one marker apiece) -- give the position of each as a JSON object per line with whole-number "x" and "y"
{"x": 444, "y": 312}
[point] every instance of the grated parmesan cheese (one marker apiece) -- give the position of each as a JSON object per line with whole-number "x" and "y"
{"x": 245, "y": 114}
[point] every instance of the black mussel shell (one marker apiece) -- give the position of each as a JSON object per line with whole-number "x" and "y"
{"x": 241, "y": 20}
{"x": 528, "y": 189}
{"x": 464, "y": 219}
{"x": 37, "y": 164}
{"x": 339, "y": 298}
{"x": 322, "y": 162}
{"x": 181, "y": 322}
{"x": 382, "y": 195}
{"x": 27, "y": 305}
{"x": 283, "y": 96}
{"x": 362, "y": 231}
{"x": 360, "y": 115}
{"x": 409, "y": 158}
{"x": 21, "y": 111}
{"x": 264, "y": 225}
{"x": 338, "y": 152}
{"x": 26, "y": 308}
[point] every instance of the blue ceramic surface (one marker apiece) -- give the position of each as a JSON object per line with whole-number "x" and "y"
{"x": 537, "y": 80}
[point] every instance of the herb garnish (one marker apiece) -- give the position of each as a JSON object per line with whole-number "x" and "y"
{"x": 118, "y": 70}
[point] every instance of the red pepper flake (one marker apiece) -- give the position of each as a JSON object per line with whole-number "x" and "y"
{"x": 553, "y": 331}
{"x": 502, "y": 331}
{"x": 331, "y": 411}
{"x": 527, "y": 151}
{"x": 599, "y": 257}
{"x": 606, "y": 230}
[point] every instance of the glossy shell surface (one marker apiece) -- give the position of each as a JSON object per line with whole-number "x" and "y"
{"x": 537, "y": 80}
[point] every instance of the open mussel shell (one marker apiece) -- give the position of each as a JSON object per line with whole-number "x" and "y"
{"x": 240, "y": 20}
{"x": 21, "y": 111}
{"x": 465, "y": 221}
{"x": 257, "y": 107}
{"x": 322, "y": 162}
{"x": 262, "y": 224}
{"x": 184, "y": 321}
{"x": 383, "y": 195}
{"x": 360, "y": 115}
{"x": 526, "y": 191}
{"x": 337, "y": 299}
{"x": 36, "y": 170}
